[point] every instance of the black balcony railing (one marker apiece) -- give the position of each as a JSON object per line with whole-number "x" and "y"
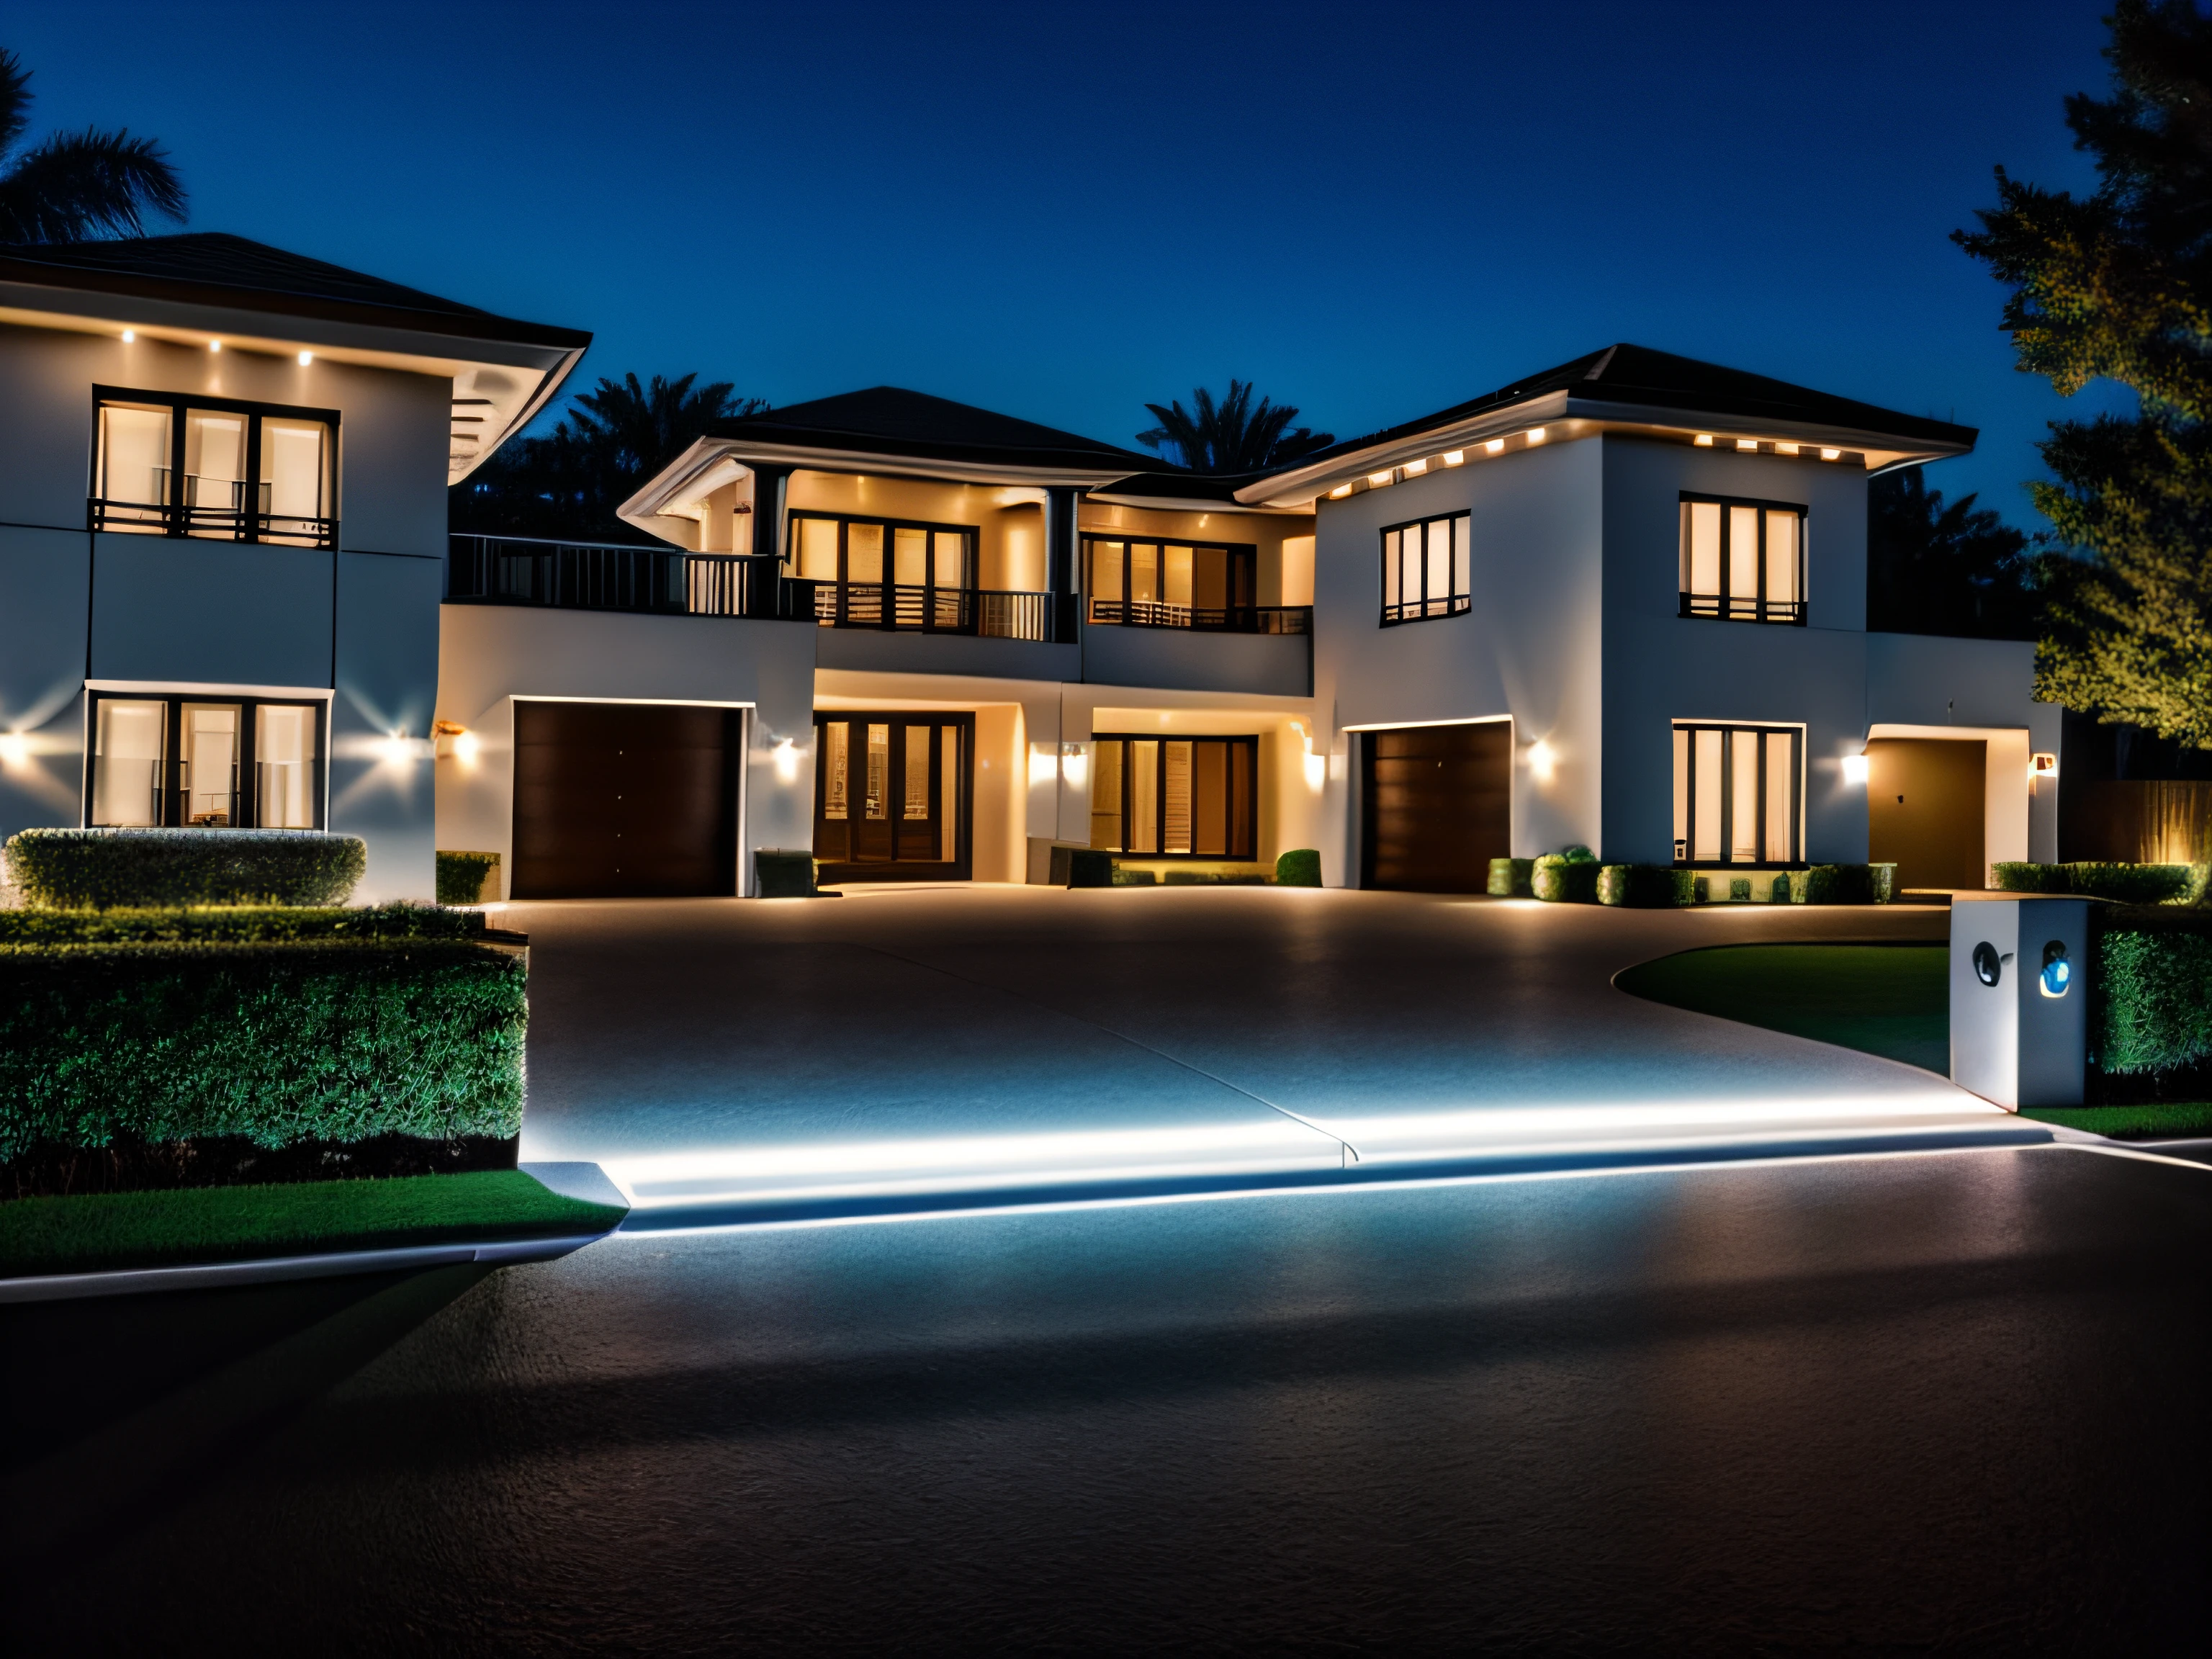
{"x": 1217, "y": 619}
{"x": 1744, "y": 608}
{"x": 664, "y": 580}
{"x": 214, "y": 509}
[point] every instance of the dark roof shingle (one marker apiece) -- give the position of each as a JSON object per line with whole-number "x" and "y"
{"x": 889, "y": 418}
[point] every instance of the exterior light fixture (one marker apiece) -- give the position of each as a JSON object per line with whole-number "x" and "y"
{"x": 14, "y": 750}
{"x": 1785, "y": 449}
{"x": 1075, "y": 766}
{"x": 398, "y": 749}
{"x": 2057, "y": 976}
{"x": 1536, "y": 435}
{"x": 2043, "y": 766}
{"x": 1832, "y": 454}
{"x": 785, "y": 753}
{"x": 1496, "y": 446}
{"x": 1376, "y": 480}
{"x": 1854, "y": 768}
{"x": 1454, "y": 457}
{"x": 1543, "y": 760}
{"x": 1044, "y": 764}
{"x": 1703, "y": 440}
{"x": 307, "y": 357}
{"x": 1414, "y": 469}
{"x": 1743, "y": 444}
{"x": 214, "y": 345}
{"x": 130, "y": 337}
{"x": 1339, "y": 492}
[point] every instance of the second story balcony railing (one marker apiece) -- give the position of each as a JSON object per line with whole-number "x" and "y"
{"x": 217, "y": 509}
{"x": 1742, "y": 607}
{"x": 1219, "y": 619}
{"x": 668, "y": 581}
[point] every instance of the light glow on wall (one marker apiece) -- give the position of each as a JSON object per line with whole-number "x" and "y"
{"x": 1854, "y": 768}
{"x": 15, "y": 750}
{"x": 785, "y": 755}
{"x": 1075, "y": 767}
{"x": 1044, "y": 764}
{"x": 466, "y": 747}
{"x": 396, "y": 749}
{"x": 1543, "y": 761}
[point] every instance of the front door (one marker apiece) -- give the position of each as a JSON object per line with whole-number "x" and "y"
{"x": 892, "y": 793}
{"x": 1925, "y": 810}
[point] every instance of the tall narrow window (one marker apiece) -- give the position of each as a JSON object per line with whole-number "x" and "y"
{"x": 226, "y": 471}
{"x": 284, "y": 765}
{"x": 1427, "y": 570}
{"x": 1742, "y": 560}
{"x": 1738, "y": 795}
{"x": 1174, "y": 797}
{"x": 129, "y": 741}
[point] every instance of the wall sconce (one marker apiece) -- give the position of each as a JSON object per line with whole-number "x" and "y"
{"x": 2042, "y": 766}
{"x": 15, "y": 750}
{"x": 785, "y": 754}
{"x": 1854, "y": 768}
{"x": 1075, "y": 766}
{"x": 1543, "y": 761}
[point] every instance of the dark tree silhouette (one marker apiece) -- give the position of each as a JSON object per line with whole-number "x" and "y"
{"x": 1232, "y": 436}
{"x": 1935, "y": 566}
{"x": 76, "y": 185}
{"x": 611, "y": 440}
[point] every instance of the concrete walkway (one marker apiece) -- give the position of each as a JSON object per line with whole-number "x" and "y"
{"x": 907, "y": 1049}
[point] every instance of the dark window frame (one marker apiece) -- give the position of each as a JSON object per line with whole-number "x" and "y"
{"x": 1429, "y": 607}
{"x": 177, "y": 517}
{"x": 1242, "y": 559}
{"x": 959, "y": 619}
{"x": 1251, "y": 740}
{"x": 245, "y": 798}
{"x": 1725, "y": 606}
{"x": 1729, "y": 729}
{"x": 961, "y": 726}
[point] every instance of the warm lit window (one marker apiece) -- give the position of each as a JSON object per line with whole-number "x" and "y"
{"x": 183, "y": 467}
{"x": 1162, "y": 584}
{"x": 1425, "y": 570}
{"x": 1174, "y": 797}
{"x": 878, "y": 572}
{"x": 1739, "y": 794}
{"x": 1744, "y": 560}
{"x": 206, "y": 763}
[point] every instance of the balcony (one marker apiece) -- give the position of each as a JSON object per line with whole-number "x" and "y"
{"x": 1219, "y": 619}
{"x": 1744, "y": 608}
{"x": 215, "y": 509}
{"x": 987, "y": 613}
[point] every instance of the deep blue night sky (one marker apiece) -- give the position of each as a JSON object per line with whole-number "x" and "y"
{"x": 1063, "y": 211}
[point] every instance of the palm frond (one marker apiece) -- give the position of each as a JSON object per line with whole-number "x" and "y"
{"x": 87, "y": 183}
{"x": 1232, "y": 436}
{"x": 15, "y": 99}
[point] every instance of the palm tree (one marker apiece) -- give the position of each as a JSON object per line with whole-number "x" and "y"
{"x": 612, "y": 439}
{"x": 76, "y": 185}
{"x": 1231, "y": 435}
{"x": 1938, "y": 567}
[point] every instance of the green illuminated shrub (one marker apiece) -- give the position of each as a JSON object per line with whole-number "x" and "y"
{"x": 461, "y": 875}
{"x": 2154, "y": 1002}
{"x": 98, "y": 869}
{"x": 1298, "y": 868}
{"x": 1844, "y": 883}
{"x": 1562, "y": 878}
{"x": 2123, "y": 884}
{"x": 1640, "y": 886}
{"x": 1512, "y": 877}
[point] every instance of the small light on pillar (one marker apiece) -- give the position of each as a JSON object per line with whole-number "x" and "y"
{"x": 1854, "y": 768}
{"x": 785, "y": 754}
{"x": 307, "y": 357}
{"x": 1543, "y": 761}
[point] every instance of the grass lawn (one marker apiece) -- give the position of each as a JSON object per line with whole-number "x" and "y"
{"x": 1888, "y": 1000}
{"x": 230, "y": 1223}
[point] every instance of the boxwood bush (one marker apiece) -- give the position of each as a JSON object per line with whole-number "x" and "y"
{"x": 2123, "y": 884}
{"x": 1568, "y": 877}
{"x": 237, "y": 925}
{"x": 1512, "y": 878}
{"x": 461, "y": 875}
{"x": 1844, "y": 884}
{"x": 2153, "y": 1009}
{"x": 275, "y": 1041}
{"x": 1641, "y": 886}
{"x": 1300, "y": 867}
{"x": 100, "y": 869}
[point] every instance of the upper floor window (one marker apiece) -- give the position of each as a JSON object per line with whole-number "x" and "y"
{"x": 168, "y": 465}
{"x": 1164, "y": 584}
{"x": 828, "y": 547}
{"x": 1744, "y": 560}
{"x": 1425, "y": 570}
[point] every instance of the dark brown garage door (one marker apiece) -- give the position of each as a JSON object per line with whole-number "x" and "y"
{"x": 625, "y": 800}
{"x": 1438, "y": 806}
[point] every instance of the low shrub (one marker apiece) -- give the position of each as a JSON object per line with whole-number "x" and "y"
{"x": 1512, "y": 878}
{"x": 1638, "y": 886}
{"x": 1136, "y": 877}
{"x": 1088, "y": 868}
{"x": 1844, "y": 884}
{"x": 2123, "y": 884}
{"x": 101, "y": 869}
{"x": 781, "y": 874}
{"x": 461, "y": 875}
{"x": 238, "y": 925}
{"x": 2012, "y": 877}
{"x": 2153, "y": 1010}
{"x": 274, "y": 1043}
{"x": 1564, "y": 880}
{"x": 1300, "y": 867}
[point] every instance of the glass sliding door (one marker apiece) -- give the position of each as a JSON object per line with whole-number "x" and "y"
{"x": 1174, "y": 797}
{"x": 892, "y": 796}
{"x": 1738, "y": 795}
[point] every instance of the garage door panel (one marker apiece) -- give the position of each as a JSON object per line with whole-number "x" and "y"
{"x": 1438, "y": 806}
{"x": 625, "y": 800}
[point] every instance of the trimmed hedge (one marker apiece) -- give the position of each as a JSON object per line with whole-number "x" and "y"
{"x": 277, "y": 1042}
{"x": 2154, "y": 1014}
{"x": 1562, "y": 878}
{"x": 2123, "y": 884}
{"x": 1643, "y": 886}
{"x": 1300, "y": 867}
{"x": 461, "y": 875}
{"x": 101, "y": 869}
{"x": 1088, "y": 868}
{"x": 237, "y": 925}
{"x": 1512, "y": 878}
{"x": 1844, "y": 884}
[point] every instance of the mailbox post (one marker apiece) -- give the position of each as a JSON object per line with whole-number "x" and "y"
{"x": 2020, "y": 998}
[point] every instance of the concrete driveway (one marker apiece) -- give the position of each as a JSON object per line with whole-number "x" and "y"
{"x": 919, "y": 1048}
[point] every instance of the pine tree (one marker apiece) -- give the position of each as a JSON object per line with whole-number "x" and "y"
{"x": 2118, "y": 285}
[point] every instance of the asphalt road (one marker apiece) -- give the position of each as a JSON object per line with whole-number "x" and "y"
{"x": 1953, "y": 1401}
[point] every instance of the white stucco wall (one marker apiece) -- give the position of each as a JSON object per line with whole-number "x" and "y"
{"x": 489, "y": 655}
{"x": 1530, "y": 647}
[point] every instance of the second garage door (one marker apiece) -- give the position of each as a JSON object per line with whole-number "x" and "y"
{"x": 1438, "y": 806}
{"x": 625, "y": 800}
